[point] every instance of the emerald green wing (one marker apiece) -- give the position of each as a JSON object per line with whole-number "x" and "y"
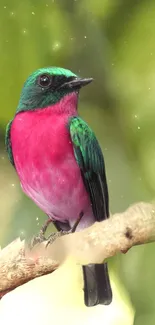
{"x": 89, "y": 157}
{"x": 8, "y": 143}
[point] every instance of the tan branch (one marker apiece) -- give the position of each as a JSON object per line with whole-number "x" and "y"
{"x": 93, "y": 245}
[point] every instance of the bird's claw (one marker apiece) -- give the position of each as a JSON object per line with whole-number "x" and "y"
{"x": 38, "y": 239}
{"x": 56, "y": 235}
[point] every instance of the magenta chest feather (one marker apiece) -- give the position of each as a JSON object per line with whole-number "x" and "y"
{"x": 45, "y": 162}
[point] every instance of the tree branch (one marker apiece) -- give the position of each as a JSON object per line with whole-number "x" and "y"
{"x": 117, "y": 234}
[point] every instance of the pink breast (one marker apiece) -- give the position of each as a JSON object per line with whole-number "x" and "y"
{"x": 45, "y": 163}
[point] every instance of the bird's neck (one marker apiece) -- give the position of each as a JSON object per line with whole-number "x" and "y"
{"x": 67, "y": 106}
{"x": 49, "y": 120}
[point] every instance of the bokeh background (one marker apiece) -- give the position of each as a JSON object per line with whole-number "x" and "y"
{"x": 112, "y": 41}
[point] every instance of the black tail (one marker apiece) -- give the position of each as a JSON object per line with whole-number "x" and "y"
{"x": 97, "y": 289}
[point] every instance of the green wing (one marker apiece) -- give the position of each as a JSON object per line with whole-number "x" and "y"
{"x": 89, "y": 157}
{"x": 8, "y": 143}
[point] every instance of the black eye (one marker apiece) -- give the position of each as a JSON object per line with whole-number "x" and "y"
{"x": 44, "y": 80}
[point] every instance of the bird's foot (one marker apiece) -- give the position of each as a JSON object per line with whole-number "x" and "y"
{"x": 40, "y": 237}
{"x": 53, "y": 236}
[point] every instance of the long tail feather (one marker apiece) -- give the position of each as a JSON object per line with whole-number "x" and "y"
{"x": 97, "y": 289}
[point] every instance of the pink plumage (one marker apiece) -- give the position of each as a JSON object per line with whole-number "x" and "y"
{"x": 45, "y": 162}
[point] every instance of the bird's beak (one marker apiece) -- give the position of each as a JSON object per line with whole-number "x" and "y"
{"x": 76, "y": 83}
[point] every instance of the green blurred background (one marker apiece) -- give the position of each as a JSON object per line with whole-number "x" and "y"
{"x": 114, "y": 42}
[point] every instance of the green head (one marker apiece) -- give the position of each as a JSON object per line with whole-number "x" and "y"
{"x": 47, "y": 86}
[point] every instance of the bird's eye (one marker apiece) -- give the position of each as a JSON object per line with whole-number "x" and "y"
{"x": 44, "y": 80}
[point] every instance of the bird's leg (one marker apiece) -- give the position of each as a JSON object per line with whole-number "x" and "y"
{"x": 73, "y": 229}
{"x": 60, "y": 233}
{"x": 40, "y": 237}
{"x": 53, "y": 236}
{"x": 44, "y": 228}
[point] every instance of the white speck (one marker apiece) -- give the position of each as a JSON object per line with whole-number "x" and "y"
{"x": 24, "y": 31}
{"x": 12, "y": 185}
{"x": 151, "y": 53}
{"x": 112, "y": 64}
{"x": 56, "y": 46}
{"x": 22, "y": 233}
{"x": 149, "y": 88}
{"x": 4, "y": 7}
{"x": 33, "y": 13}
{"x": 46, "y": 5}
{"x": 37, "y": 219}
{"x": 12, "y": 14}
{"x": 38, "y": 224}
{"x": 138, "y": 128}
{"x": 135, "y": 116}
{"x": 2, "y": 157}
{"x": 85, "y": 36}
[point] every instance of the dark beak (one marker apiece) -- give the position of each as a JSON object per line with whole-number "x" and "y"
{"x": 76, "y": 83}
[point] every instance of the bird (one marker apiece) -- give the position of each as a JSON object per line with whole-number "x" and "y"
{"x": 60, "y": 163}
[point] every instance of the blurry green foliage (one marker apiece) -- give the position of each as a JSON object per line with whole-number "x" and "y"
{"x": 113, "y": 41}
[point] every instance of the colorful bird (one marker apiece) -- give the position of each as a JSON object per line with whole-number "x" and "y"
{"x": 60, "y": 163}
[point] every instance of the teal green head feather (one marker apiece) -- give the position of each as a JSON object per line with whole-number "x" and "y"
{"x": 47, "y": 86}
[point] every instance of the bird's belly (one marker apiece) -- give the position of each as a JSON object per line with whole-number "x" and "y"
{"x": 58, "y": 191}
